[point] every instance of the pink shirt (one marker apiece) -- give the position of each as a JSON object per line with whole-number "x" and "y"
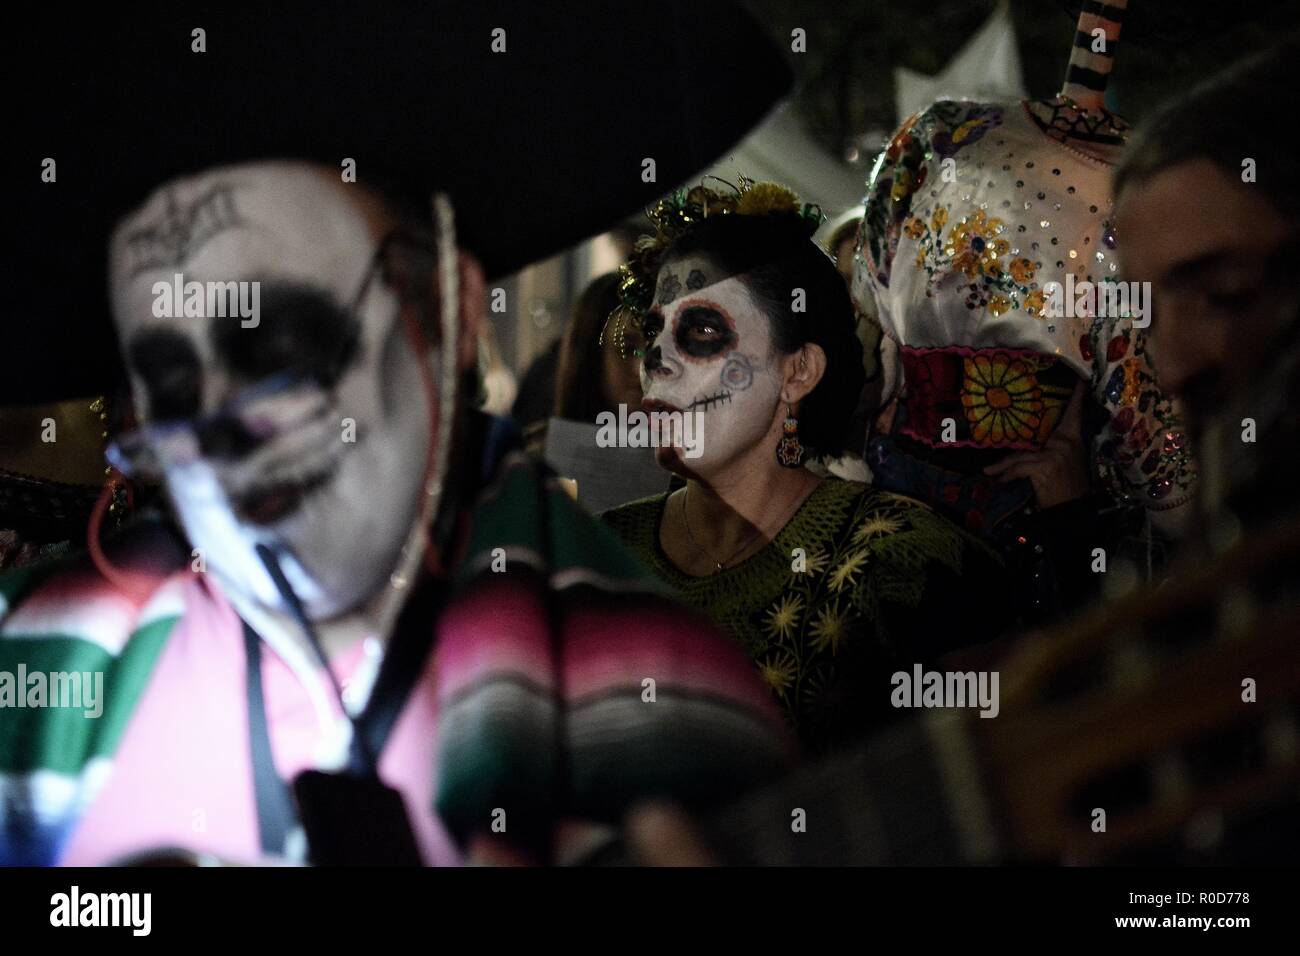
{"x": 183, "y": 777}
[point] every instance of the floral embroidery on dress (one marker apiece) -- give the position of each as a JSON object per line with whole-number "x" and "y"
{"x": 835, "y": 592}
{"x": 989, "y": 256}
{"x": 958, "y": 125}
{"x": 1143, "y": 451}
{"x": 942, "y": 130}
{"x": 974, "y": 248}
{"x": 1001, "y": 399}
{"x": 987, "y": 398}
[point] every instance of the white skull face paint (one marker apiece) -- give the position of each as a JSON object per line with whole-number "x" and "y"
{"x": 337, "y": 494}
{"x": 709, "y": 348}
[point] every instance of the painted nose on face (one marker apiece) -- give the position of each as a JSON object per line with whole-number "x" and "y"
{"x": 658, "y": 366}
{"x": 653, "y": 361}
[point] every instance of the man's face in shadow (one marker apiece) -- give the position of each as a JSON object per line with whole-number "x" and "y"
{"x": 1209, "y": 246}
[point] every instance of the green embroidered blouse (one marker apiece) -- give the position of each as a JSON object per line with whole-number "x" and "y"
{"x": 860, "y": 583}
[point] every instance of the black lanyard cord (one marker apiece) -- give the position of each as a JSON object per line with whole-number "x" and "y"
{"x": 361, "y": 750}
{"x": 276, "y": 816}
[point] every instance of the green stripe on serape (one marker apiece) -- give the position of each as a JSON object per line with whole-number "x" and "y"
{"x": 579, "y": 541}
{"x": 498, "y": 751}
{"x": 509, "y": 518}
{"x": 64, "y": 739}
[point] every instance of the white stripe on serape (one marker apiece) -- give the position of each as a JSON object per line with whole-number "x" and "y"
{"x": 568, "y": 577}
{"x": 48, "y": 798}
{"x": 516, "y": 553}
{"x": 571, "y": 577}
{"x": 106, "y": 619}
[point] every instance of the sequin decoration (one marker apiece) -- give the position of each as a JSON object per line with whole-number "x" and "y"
{"x": 953, "y": 266}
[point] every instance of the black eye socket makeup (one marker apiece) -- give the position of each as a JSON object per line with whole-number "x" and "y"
{"x": 303, "y": 331}
{"x": 170, "y": 367}
{"x": 652, "y": 325}
{"x": 704, "y": 332}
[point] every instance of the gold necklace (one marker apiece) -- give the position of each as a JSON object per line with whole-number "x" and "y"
{"x": 720, "y": 565}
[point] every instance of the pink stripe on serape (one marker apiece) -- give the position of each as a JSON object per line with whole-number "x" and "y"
{"x": 498, "y": 624}
{"x": 668, "y": 643}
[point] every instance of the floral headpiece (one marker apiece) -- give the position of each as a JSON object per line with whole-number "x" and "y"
{"x": 674, "y": 216}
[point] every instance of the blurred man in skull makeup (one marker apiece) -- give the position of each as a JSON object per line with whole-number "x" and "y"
{"x": 281, "y": 468}
{"x": 385, "y": 636}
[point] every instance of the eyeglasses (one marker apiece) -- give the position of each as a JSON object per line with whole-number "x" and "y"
{"x": 276, "y": 404}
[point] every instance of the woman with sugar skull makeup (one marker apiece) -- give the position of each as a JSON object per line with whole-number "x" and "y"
{"x": 829, "y": 585}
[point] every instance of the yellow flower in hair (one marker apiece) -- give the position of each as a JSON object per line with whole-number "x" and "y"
{"x": 763, "y": 199}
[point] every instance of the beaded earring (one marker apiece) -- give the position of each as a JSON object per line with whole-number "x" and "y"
{"x": 789, "y": 450}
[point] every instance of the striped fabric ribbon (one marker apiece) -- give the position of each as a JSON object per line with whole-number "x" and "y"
{"x": 1093, "y": 55}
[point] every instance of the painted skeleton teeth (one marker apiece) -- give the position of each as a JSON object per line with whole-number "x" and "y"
{"x": 709, "y": 401}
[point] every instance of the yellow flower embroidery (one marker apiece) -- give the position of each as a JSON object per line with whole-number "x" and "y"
{"x": 939, "y": 218}
{"x": 1023, "y": 270}
{"x": 846, "y": 574}
{"x": 1001, "y": 399}
{"x": 914, "y": 228}
{"x": 1034, "y": 303}
{"x": 966, "y": 128}
{"x": 816, "y": 561}
{"x": 1132, "y": 385}
{"x": 783, "y": 618}
{"x": 877, "y": 525}
{"x": 902, "y": 185}
{"x": 828, "y": 629}
{"x": 778, "y": 672}
{"x": 999, "y": 304}
{"x": 974, "y": 247}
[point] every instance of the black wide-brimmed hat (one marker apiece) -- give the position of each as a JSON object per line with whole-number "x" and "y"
{"x": 536, "y": 118}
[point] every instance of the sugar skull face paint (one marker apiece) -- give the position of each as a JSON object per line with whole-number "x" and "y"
{"x": 315, "y": 428}
{"x": 709, "y": 349}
